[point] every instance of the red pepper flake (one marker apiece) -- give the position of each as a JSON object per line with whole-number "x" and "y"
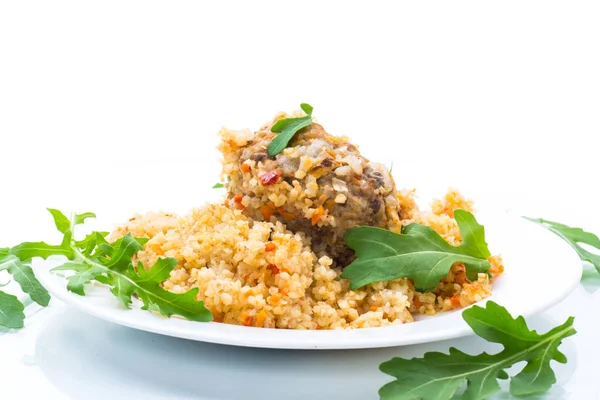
{"x": 274, "y": 269}
{"x": 270, "y": 177}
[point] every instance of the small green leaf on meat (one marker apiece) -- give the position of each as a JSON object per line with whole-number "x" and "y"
{"x": 287, "y": 128}
{"x": 438, "y": 376}
{"x": 574, "y": 236}
{"x": 418, "y": 253}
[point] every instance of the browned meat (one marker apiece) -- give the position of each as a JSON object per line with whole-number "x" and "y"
{"x": 320, "y": 186}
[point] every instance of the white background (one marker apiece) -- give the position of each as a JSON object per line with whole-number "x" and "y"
{"x": 114, "y": 107}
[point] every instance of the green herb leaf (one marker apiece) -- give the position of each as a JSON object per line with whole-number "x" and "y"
{"x": 11, "y": 311}
{"x": 218, "y": 185}
{"x": 418, "y": 253}
{"x": 80, "y": 218}
{"x": 168, "y": 303}
{"x": 28, "y": 250}
{"x": 438, "y": 375}
{"x": 23, "y": 275}
{"x": 90, "y": 242}
{"x": 62, "y": 222}
{"x": 573, "y": 236}
{"x": 111, "y": 264}
{"x": 287, "y": 128}
{"x": 307, "y": 108}
{"x": 85, "y": 274}
{"x": 121, "y": 251}
{"x": 125, "y": 282}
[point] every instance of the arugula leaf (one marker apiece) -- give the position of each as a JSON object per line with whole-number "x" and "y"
{"x": 11, "y": 311}
{"x": 80, "y": 218}
{"x": 93, "y": 258}
{"x": 23, "y": 275}
{"x": 125, "y": 282}
{"x": 85, "y": 274}
{"x": 120, "y": 252}
{"x": 17, "y": 262}
{"x": 438, "y": 376}
{"x": 218, "y": 185}
{"x": 573, "y": 236}
{"x": 62, "y": 222}
{"x": 111, "y": 264}
{"x": 89, "y": 243}
{"x": 287, "y": 128}
{"x": 168, "y": 303}
{"x": 28, "y": 250}
{"x": 418, "y": 253}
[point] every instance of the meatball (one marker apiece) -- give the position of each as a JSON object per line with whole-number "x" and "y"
{"x": 320, "y": 186}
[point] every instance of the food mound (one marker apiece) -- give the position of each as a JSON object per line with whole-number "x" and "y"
{"x": 273, "y": 253}
{"x": 320, "y": 185}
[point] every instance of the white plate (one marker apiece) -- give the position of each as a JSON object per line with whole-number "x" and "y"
{"x": 540, "y": 270}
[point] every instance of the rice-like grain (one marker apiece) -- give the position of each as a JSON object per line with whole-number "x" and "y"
{"x": 260, "y": 274}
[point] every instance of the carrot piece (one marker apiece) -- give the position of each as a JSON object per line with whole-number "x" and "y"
{"x": 288, "y": 216}
{"x": 270, "y": 246}
{"x": 260, "y": 318}
{"x": 455, "y": 300}
{"x": 245, "y": 168}
{"x": 317, "y": 215}
{"x": 274, "y": 269}
{"x": 416, "y": 302}
{"x": 274, "y": 299}
{"x": 238, "y": 198}
{"x": 245, "y": 318}
{"x": 267, "y": 212}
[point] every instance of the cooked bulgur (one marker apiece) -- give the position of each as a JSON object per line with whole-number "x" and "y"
{"x": 272, "y": 254}
{"x": 260, "y": 274}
